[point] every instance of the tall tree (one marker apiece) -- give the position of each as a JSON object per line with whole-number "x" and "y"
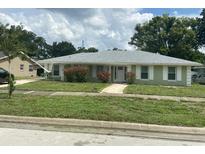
{"x": 170, "y": 36}
{"x": 61, "y": 49}
{"x": 201, "y": 29}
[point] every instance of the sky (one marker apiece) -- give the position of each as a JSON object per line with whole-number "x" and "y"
{"x": 100, "y": 28}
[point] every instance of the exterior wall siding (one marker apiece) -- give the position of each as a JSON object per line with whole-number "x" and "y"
{"x": 155, "y": 79}
{"x": 15, "y": 67}
{"x": 158, "y": 77}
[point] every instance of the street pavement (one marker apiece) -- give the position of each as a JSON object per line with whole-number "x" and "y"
{"x": 20, "y": 137}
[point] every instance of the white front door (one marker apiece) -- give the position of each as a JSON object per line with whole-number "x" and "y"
{"x": 120, "y": 73}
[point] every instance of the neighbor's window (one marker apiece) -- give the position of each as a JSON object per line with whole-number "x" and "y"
{"x": 30, "y": 68}
{"x": 21, "y": 67}
{"x": 171, "y": 73}
{"x": 56, "y": 70}
{"x": 144, "y": 72}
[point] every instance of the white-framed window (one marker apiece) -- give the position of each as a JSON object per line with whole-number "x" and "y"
{"x": 30, "y": 68}
{"x": 144, "y": 72}
{"x": 21, "y": 67}
{"x": 172, "y": 73}
{"x": 99, "y": 68}
{"x": 56, "y": 69}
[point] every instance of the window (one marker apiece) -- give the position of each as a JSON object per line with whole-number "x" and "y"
{"x": 30, "y": 68}
{"x": 99, "y": 69}
{"x": 21, "y": 67}
{"x": 56, "y": 70}
{"x": 144, "y": 72}
{"x": 120, "y": 68}
{"x": 171, "y": 73}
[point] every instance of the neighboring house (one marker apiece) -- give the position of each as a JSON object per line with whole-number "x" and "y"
{"x": 199, "y": 70}
{"x": 149, "y": 68}
{"x": 20, "y": 68}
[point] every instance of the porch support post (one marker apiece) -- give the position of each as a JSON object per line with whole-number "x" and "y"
{"x": 61, "y": 70}
{"x": 110, "y": 71}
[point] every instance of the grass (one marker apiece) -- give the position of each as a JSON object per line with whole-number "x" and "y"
{"x": 106, "y": 108}
{"x": 195, "y": 90}
{"x": 22, "y": 78}
{"x": 44, "y": 85}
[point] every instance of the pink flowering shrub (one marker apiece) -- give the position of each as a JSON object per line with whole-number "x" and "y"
{"x": 76, "y": 74}
{"x": 103, "y": 76}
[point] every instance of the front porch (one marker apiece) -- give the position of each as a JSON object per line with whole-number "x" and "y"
{"x": 118, "y": 74}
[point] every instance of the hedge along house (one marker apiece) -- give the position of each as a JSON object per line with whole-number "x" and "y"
{"x": 149, "y": 68}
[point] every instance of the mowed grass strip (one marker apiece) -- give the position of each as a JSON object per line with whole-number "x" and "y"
{"x": 44, "y": 85}
{"x": 106, "y": 108}
{"x": 195, "y": 90}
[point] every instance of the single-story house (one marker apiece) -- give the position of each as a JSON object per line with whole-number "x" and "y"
{"x": 149, "y": 68}
{"x": 26, "y": 67}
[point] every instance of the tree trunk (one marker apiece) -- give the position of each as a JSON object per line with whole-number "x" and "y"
{"x": 9, "y": 80}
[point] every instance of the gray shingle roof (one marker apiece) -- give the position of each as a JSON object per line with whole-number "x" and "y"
{"x": 120, "y": 58}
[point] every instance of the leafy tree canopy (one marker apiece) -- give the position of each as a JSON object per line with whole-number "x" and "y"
{"x": 83, "y": 49}
{"x": 171, "y": 36}
{"x": 61, "y": 49}
{"x": 201, "y": 29}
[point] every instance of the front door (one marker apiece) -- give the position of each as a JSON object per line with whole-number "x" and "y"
{"x": 119, "y": 74}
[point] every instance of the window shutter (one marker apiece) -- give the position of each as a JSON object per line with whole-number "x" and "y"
{"x": 151, "y": 72}
{"x": 138, "y": 72}
{"x": 188, "y": 76}
{"x": 179, "y": 73}
{"x": 165, "y": 73}
{"x": 61, "y": 71}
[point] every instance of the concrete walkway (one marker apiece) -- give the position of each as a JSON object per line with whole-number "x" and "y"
{"x": 153, "y": 97}
{"x": 20, "y": 82}
{"x": 114, "y": 89}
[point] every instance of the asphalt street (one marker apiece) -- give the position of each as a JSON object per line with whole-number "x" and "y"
{"x": 20, "y": 137}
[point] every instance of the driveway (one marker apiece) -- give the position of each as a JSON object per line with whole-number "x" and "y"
{"x": 114, "y": 89}
{"x": 19, "y": 82}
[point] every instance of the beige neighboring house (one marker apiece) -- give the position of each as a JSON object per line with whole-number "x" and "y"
{"x": 20, "y": 68}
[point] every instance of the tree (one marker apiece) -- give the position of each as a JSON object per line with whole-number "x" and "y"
{"x": 169, "y": 36}
{"x": 83, "y": 49}
{"x": 61, "y": 49}
{"x": 92, "y": 49}
{"x": 15, "y": 40}
{"x": 201, "y": 29}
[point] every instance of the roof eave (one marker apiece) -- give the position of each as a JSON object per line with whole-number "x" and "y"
{"x": 120, "y": 63}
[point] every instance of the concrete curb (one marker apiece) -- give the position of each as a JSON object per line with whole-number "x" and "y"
{"x": 103, "y": 124}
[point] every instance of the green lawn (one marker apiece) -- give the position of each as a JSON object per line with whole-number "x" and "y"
{"x": 106, "y": 108}
{"x": 44, "y": 85}
{"x": 195, "y": 90}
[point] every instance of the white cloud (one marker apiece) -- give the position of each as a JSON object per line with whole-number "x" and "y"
{"x": 102, "y": 28}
